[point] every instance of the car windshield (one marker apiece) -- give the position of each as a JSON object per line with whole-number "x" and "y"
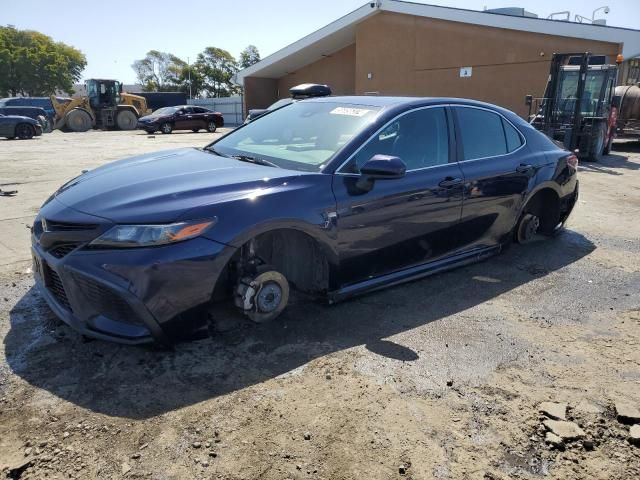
{"x": 280, "y": 103}
{"x": 165, "y": 111}
{"x": 301, "y": 136}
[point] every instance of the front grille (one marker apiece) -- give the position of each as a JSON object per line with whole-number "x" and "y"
{"x": 63, "y": 250}
{"x": 55, "y": 286}
{"x": 106, "y": 302}
{"x": 53, "y": 226}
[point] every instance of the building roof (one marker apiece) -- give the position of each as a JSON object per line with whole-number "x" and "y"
{"x": 342, "y": 33}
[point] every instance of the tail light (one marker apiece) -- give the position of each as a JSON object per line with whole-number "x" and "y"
{"x": 572, "y": 161}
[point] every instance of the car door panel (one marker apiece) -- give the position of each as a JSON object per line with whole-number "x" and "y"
{"x": 495, "y": 185}
{"x": 7, "y": 127}
{"x": 400, "y": 222}
{"x": 181, "y": 120}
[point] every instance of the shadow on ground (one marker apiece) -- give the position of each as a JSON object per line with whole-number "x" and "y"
{"x": 138, "y": 382}
{"x": 618, "y": 159}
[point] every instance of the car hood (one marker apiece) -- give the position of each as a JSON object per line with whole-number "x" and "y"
{"x": 153, "y": 118}
{"x": 162, "y": 187}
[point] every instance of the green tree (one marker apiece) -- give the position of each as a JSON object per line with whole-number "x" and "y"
{"x": 249, "y": 56}
{"x": 31, "y": 63}
{"x": 160, "y": 72}
{"x": 217, "y": 67}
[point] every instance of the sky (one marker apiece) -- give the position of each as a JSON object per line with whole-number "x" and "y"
{"x": 114, "y": 33}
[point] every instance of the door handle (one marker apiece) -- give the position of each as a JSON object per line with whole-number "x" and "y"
{"x": 524, "y": 168}
{"x": 450, "y": 182}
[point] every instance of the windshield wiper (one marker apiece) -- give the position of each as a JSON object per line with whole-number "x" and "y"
{"x": 215, "y": 152}
{"x": 256, "y": 160}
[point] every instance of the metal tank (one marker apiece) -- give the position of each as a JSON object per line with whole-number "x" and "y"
{"x": 628, "y": 98}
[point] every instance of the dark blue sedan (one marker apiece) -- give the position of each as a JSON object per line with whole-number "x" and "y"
{"x": 332, "y": 197}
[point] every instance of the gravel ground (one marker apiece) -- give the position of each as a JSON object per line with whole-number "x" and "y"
{"x": 437, "y": 379}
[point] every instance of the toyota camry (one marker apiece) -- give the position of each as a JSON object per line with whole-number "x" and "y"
{"x": 333, "y": 197}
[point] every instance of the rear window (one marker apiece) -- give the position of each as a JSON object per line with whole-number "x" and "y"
{"x": 486, "y": 134}
{"x": 482, "y": 133}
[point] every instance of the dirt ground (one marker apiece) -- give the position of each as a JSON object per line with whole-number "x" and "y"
{"x": 437, "y": 379}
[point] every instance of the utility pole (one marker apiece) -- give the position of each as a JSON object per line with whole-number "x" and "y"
{"x": 189, "y": 74}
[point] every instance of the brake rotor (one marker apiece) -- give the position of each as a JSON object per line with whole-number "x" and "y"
{"x": 528, "y": 228}
{"x": 263, "y": 297}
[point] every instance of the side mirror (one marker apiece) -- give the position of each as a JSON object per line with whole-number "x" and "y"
{"x": 384, "y": 167}
{"x": 380, "y": 167}
{"x": 528, "y": 100}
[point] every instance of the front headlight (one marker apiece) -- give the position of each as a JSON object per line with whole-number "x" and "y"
{"x": 122, "y": 236}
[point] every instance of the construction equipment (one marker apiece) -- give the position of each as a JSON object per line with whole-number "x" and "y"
{"x": 105, "y": 106}
{"x": 577, "y": 107}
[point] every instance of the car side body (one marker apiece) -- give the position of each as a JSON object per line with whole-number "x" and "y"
{"x": 365, "y": 219}
{"x": 183, "y": 117}
{"x": 15, "y": 126}
{"x": 36, "y": 113}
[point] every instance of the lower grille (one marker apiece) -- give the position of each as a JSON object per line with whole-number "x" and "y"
{"x": 55, "y": 286}
{"x": 62, "y": 250}
{"x": 107, "y": 302}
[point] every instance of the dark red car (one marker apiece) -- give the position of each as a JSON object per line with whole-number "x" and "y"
{"x": 182, "y": 117}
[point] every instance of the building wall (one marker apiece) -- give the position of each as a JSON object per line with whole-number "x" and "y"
{"x": 338, "y": 70}
{"x": 259, "y": 92}
{"x": 409, "y": 55}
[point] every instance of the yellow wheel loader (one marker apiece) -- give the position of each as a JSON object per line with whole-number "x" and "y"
{"x": 105, "y": 106}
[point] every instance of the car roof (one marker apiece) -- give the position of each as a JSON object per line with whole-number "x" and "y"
{"x": 399, "y": 104}
{"x": 389, "y": 101}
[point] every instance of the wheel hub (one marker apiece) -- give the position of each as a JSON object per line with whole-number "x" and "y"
{"x": 269, "y": 297}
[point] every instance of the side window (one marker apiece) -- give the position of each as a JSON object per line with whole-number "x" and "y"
{"x": 188, "y": 110}
{"x": 199, "y": 110}
{"x": 419, "y": 138}
{"x": 482, "y": 133}
{"x": 514, "y": 140}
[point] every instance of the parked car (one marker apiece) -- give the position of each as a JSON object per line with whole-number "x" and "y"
{"x": 300, "y": 92}
{"x": 39, "y": 102}
{"x": 14, "y": 126}
{"x": 332, "y": 196}
{"x": 183, "y": 117}
{"x": 38, "y": 114}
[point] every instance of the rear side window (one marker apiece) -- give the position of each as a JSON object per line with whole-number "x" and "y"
{"x": 514, "y": 140}
{"x": 482, "y": 133}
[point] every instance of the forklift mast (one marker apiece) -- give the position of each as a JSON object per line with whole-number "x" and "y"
{"x": 550, "y": 108}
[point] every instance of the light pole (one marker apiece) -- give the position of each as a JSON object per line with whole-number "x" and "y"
{"x": 189, "y": 75}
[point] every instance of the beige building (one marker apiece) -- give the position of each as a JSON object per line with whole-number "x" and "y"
{"x": 392, "y": 47}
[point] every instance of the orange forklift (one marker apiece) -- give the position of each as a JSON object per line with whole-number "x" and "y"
{"x": 578, "y": 107}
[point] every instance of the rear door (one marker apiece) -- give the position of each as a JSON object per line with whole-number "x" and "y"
{"x": 497, "y": 168}
{"x": 400, "y": 222}
{"x": 200, "y": 117}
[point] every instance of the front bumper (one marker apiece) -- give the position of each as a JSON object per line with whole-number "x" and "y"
{"x": 129, "y": 296}
{"x": 147, "y": 125}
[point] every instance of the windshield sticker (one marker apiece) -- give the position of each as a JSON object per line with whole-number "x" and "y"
{"x": 352, "y": 112}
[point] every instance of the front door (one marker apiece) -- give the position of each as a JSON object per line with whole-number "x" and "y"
{"x": 7, "y": 127}
{"x": 400, "y": 222}
{"x": 182, "y": 120}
